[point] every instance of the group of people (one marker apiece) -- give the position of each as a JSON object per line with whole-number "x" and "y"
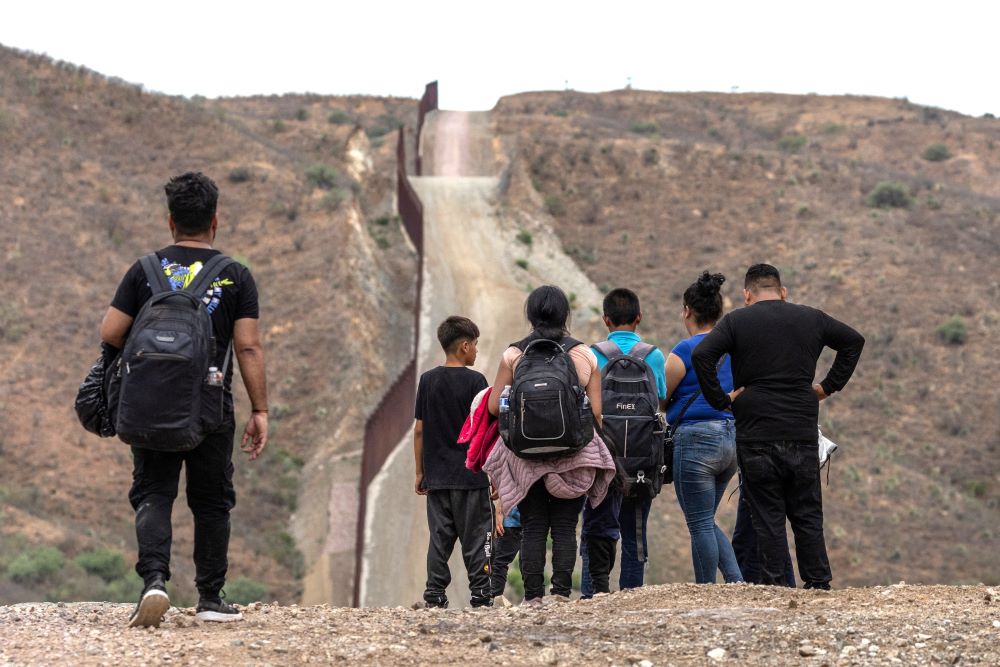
{"x": 738, "y": 395}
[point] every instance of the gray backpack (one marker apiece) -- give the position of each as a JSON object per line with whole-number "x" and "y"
{"x": 161, "y": 395}
{"x": 633, "y": 425}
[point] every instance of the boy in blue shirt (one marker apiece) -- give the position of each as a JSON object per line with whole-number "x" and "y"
{"x": 506, "y": 545}
{"x": 622, "y": 315}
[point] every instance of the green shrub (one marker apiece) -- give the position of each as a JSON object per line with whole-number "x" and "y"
{"x": 554, "y": 205}
{"x": 278, "y": 126}
{"x": 107, "y": 564}
{"x": 301, "y": 114}
{"x": 339, "y": 117}
{"x": 890, "y": 194}
{"x": 524, "y": 237}
{"x": 792, "y": 143}
{"x": 322, "y": 176}
{"x": 643, "y": 127}
{"x": 832, "y": 128}
{"x": 953, "y": 331}
{"x": 240, "y": 175}
{"x": 12, "y": 325}
{"x": 244, "y": 591}
{"x": 124, "y": 589}
{"x": 36, "y": 565}
{"x": 284, "y": 551}
{"x": 936, "y": 153}
{"x": 523, "y": 263}
{"x": 650, "y": 157}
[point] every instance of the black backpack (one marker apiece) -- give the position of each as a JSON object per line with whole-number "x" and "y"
{"x": 632, "y": 424}
{"x": 549, "y": 415}
{"x": 161, "y": 396}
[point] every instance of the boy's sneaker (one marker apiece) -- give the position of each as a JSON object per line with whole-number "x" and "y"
{"x": 217, "y": 610}
{"x": 533, "y": 603}
{"x": 152, "y": 606}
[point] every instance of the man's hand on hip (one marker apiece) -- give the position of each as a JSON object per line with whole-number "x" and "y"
{"x": 255, "y": 435}
{"x": 820, "y": 394}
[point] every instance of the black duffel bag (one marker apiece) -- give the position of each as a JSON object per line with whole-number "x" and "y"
{"x": 92, "y": 398}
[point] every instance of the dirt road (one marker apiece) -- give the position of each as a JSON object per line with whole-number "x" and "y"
{"x": 677, "y": 624}
{"x": 468, "y": 270}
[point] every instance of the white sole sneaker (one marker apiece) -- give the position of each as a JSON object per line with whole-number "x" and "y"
{"x": 152, "y": 607}
{"x": 216, "y": 617}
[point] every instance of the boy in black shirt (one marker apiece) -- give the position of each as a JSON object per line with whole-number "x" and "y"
{"x": 774, "y": 346}
{"x": 458, "y": 500}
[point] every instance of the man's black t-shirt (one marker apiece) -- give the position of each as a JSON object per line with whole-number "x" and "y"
{"x": 444, "y": 396}
{"x": 774, "y": 346}
{"x": 232, "y": 296}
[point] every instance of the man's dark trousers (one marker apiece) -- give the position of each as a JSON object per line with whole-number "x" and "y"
{"x": 745, "y": 546}
{"x": 210, "y": 495}
{"x": 781, "y": 478}
{"x": 467, "y": 516}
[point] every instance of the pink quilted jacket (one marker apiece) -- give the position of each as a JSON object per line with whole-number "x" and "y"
{"x": 588, "y": 472}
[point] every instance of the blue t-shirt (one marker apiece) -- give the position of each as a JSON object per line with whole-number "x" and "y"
{"x": 700, "y": 410}
{"x": 626, "y": 340}
{"x": 513, "y": 520}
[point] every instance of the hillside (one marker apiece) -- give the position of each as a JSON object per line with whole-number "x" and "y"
{"x": 307, "y": 202}
{"x": 647, "y": 189}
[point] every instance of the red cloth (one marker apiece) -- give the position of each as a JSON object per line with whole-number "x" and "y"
{"x": 480, "y": 431}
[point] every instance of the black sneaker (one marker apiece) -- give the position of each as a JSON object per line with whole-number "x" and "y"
{"x": 152, "y": 606}
{"x": 217, "y": 610}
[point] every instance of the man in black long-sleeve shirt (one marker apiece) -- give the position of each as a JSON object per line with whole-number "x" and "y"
{"x": 774, "y": 346}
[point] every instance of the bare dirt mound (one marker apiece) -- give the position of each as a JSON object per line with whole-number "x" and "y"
{"x": 677, "y": 624}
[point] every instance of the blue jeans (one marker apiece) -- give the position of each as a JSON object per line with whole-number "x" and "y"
{"x": 704, "y": 462}
{"x": 632, "y": 519}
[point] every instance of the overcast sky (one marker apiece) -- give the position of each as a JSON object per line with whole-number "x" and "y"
{"x": 940, "y": 54}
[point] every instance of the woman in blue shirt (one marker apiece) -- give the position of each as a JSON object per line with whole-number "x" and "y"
{"x": 704, "y": 438}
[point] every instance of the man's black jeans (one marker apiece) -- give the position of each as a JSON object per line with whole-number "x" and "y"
{"x": 780, "y": 479}
{"x": 210, "y": 495}
{"x": 745, "y": 546}
{"x": 540, "y": 513}
{"x": 600, "y": 561}
{"x": 464, "y": 515}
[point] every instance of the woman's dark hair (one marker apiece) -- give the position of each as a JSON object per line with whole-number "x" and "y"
{"x": 192, "y": 198}
{"x": 704, "y": 299}
{"x": 547, "y": 309}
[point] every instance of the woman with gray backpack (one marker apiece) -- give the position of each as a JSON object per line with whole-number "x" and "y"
{"x": 704, "y": 438}
{"x": 547, "y": 396}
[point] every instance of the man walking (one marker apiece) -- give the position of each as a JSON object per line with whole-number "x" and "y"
{"x": 774, "y": 346}
{"x": 230, "y": 299}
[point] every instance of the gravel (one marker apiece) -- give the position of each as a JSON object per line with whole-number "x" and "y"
{"x": 676, "y": 624}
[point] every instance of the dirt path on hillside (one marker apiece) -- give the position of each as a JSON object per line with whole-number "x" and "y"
{"x": 462, "y": 275}
{"x": 678, "y": 624}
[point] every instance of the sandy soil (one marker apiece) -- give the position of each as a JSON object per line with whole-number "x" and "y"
{"x": 678, "y": 624}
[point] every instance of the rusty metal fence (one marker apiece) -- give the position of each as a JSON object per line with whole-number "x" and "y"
{"x": 393, "y": 416}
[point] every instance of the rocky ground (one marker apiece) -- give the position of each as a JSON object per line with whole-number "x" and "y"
{"x": 661, "y": 625}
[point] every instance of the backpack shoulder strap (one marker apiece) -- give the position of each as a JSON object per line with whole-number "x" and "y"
{"x": 568, "y": 343}
{"x": 154, "y": 274}
{"x": 641, "y": 350}
{"x": 609, "y": 349}
{"x": 209, "y": 272}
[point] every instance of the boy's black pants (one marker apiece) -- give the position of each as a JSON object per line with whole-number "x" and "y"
{"x": 542, "y": 512}
{"x": 210, "y": 495}
{"x": 781, "y": 478}
{"x": 464, "y": 515}
{"x": 505, "y": 548}
{"x": 601, "y": 559}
